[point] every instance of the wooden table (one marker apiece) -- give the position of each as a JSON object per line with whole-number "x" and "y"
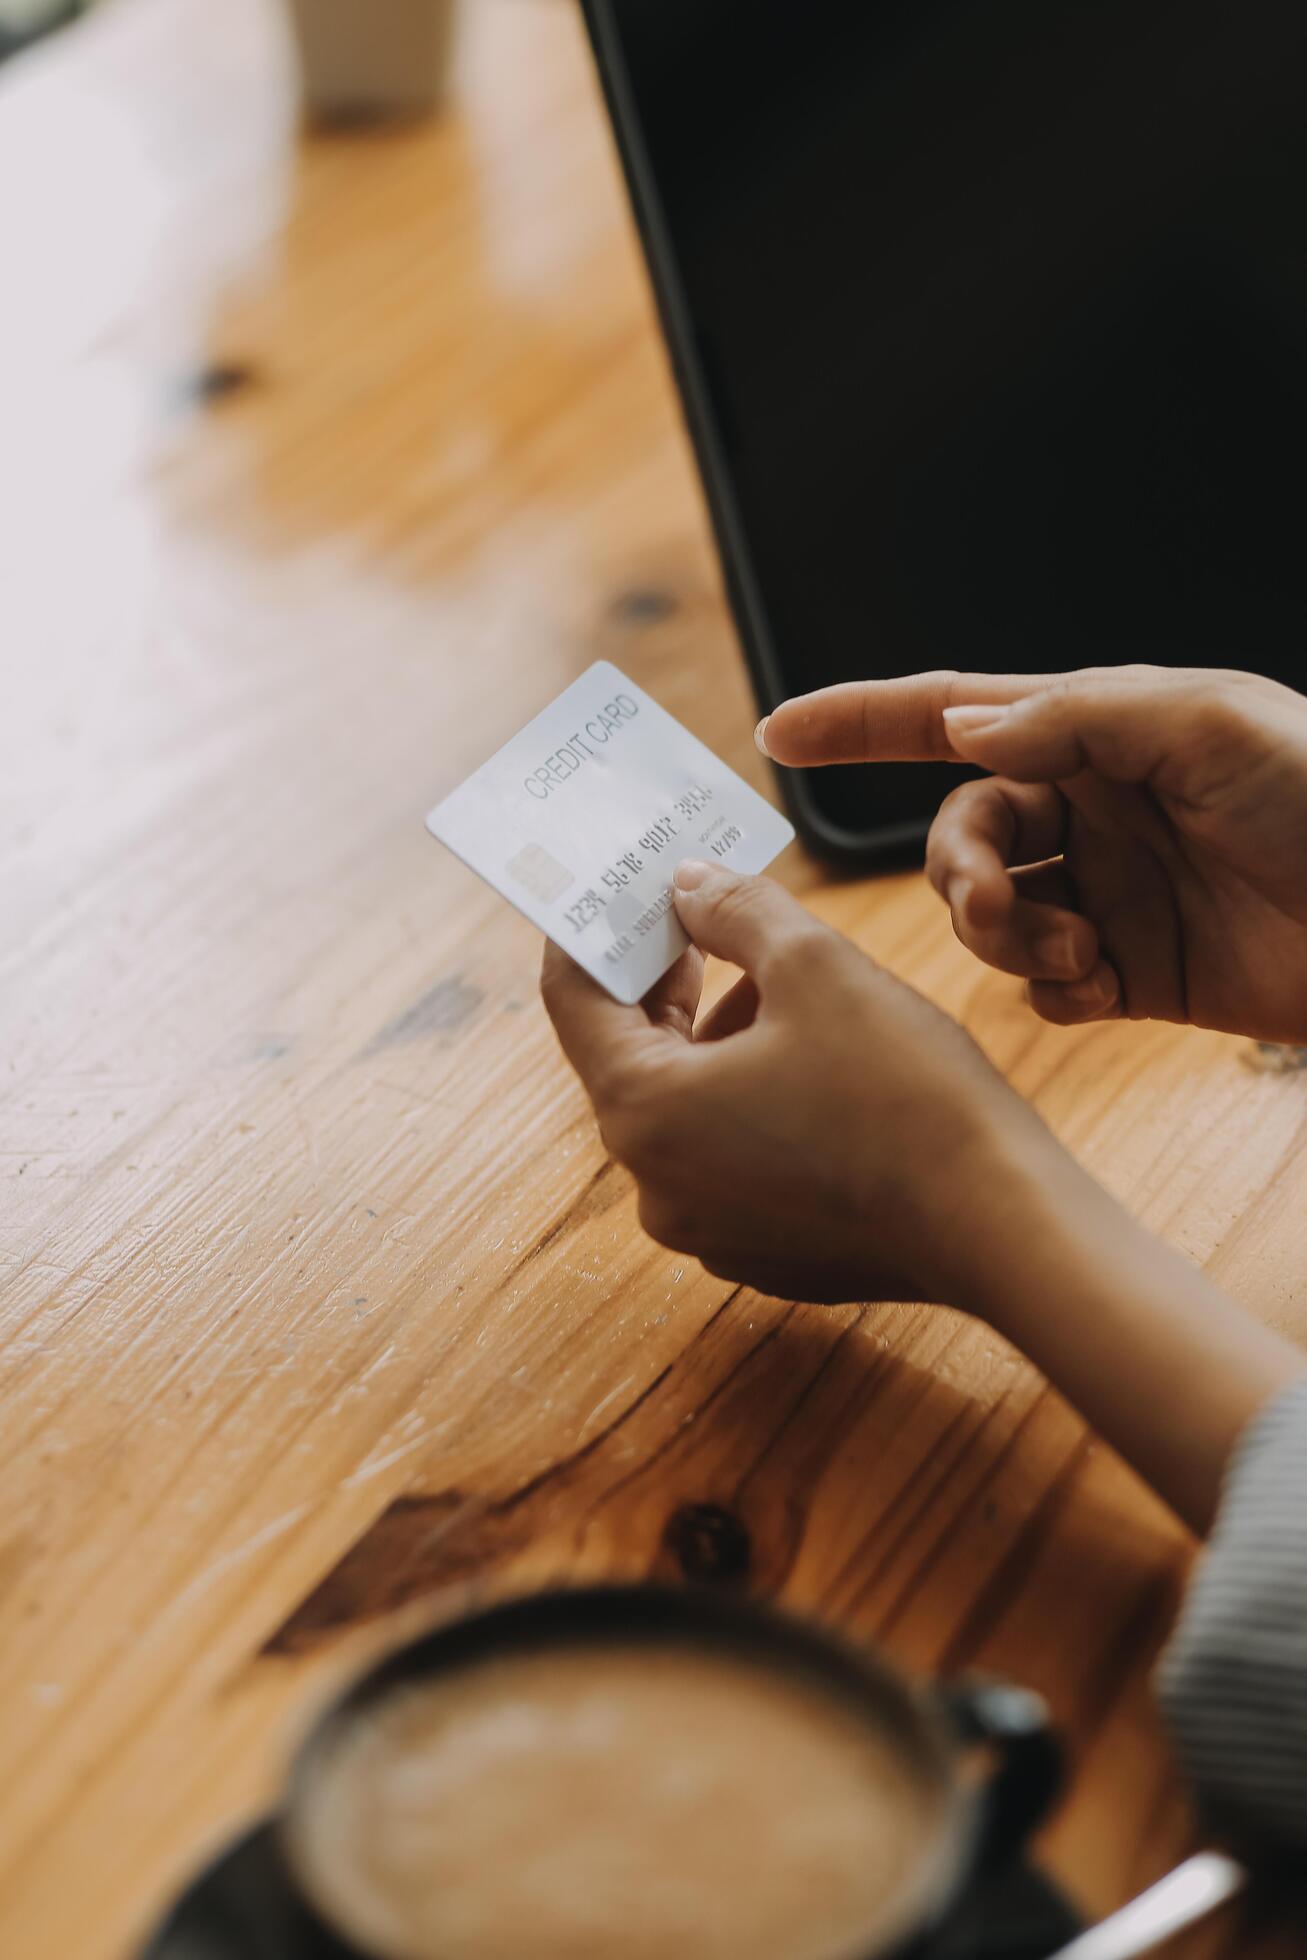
{"x": 321, "y": 466}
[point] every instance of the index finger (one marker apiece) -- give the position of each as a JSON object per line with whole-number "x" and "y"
{"x": 598, "y": 1035}
{"x": 900, "y": 720}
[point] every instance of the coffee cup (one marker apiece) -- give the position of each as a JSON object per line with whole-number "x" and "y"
{"x": 639, "y": 1771}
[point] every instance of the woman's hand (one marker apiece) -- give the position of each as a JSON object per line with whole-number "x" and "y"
{"x": 1140, "y": 849}
{"x": 826, "y": 1134}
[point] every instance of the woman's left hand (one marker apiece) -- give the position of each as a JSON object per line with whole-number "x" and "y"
{"x": 825, "y": 1133}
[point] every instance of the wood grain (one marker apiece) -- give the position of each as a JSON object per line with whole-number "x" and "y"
{"x": 325, "y": 463}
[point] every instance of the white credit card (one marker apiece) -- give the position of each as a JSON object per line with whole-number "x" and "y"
{"x": 581, "y": 820}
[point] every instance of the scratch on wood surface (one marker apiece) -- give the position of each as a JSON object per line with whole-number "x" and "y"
{"x": 375, "y": 1465}
{"x": 600, "y": 1408}
{"x": 604, "y": 1187}
{"x": 264, "y": 1536}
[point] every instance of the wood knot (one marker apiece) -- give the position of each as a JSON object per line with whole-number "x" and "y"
{"x": 218, "y": 381}
{"x": 644, "y": 605}
{"x": 709, "y": 1544}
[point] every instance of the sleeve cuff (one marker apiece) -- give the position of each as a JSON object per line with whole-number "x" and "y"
{"x": 1233, "y": 1680}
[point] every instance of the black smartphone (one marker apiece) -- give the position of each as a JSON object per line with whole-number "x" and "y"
{"x": 989, "y": 318}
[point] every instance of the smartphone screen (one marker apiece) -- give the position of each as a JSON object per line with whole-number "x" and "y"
{"x": 995, "y": 316}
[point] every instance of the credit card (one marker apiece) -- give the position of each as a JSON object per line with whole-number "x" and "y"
{"x": 581, "y": 820}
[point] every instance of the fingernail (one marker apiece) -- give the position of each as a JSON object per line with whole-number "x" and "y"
{"x": 1097, "y": 992}
{"x": 972, "y": 721}
{"x": 690, "y": 874}
{"x": 760, "y": 735}
{"x": 1056, "y": 953}
{"x": 959, "y": 894}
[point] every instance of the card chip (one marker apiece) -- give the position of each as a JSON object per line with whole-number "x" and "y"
{"x": 543, "y": 876}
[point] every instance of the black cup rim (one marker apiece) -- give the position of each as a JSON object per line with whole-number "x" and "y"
{"x": 639, "y": 1611}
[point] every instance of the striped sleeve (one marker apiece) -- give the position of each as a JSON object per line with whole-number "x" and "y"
{"x": 1233, "y": 1681}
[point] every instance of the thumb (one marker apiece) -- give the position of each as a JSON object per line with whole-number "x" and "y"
{"x": 744, "y": 920}
{"x": 1131, "y": 725}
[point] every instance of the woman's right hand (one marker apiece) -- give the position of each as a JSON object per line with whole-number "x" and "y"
{"x": 1140, "y": 848}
